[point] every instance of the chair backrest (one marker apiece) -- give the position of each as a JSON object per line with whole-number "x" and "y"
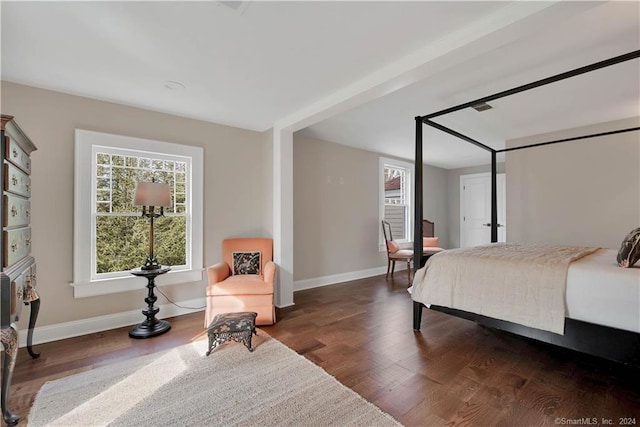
{"x": 386, "y": 230}
{"x": 428, "y": 228}
{"x": 392, "y": 247}
{"x": 263, "y": 245}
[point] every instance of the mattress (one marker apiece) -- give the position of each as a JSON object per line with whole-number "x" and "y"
{"x": 600, "y": 292}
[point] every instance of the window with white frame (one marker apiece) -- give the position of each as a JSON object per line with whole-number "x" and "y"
{"x": 110, "y": 235}
{"x": 396, "y": 198}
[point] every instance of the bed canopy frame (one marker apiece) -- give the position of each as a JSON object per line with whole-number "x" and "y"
{"x": 614, "y": 344}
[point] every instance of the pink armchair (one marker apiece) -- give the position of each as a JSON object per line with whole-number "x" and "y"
{"x": 243, "y": 281}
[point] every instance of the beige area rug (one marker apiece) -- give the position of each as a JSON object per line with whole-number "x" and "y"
{"x": 272, "y": 386}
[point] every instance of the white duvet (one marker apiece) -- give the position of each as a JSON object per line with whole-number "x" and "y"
{"x": 598, "y": 291}
{"x": 524, "y": 284}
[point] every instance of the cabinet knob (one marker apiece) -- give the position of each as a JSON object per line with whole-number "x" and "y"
{"x": 14, "y": 246}
{"x": 14, "y": 180}
{"x": 27, "y": 212}
{"x": 15, "y": 153}
{"x": 14, "y": 210}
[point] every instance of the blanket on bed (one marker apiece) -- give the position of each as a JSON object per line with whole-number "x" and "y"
{"x": 523, "y": 284}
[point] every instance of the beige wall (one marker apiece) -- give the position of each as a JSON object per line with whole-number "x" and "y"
{"x": 237, "y": 188}
{"x": 584, "y": 192}
{"x": 336, "y": 222}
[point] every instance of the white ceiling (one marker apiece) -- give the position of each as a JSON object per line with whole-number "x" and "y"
{"x": 355, "y": 73}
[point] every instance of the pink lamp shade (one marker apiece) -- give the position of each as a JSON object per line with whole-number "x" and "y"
{"x": 152, "y": 194}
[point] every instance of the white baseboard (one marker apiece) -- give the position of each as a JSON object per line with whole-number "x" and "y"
{"x": 316, "y": 282}
{"x": 76, "y": 328}
{"x": 92, "y": 325}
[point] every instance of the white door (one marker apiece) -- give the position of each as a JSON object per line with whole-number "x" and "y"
{"x": 475, "y": 209}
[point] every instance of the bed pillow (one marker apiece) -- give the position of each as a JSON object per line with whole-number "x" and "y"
{"x": 629, "y": 252}
{"x": 430, "y": 242}
{"x": 246, "y": 262}
{"x": 392, "y": 246}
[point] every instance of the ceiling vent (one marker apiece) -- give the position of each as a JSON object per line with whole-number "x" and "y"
{"x": 483, "y": 106}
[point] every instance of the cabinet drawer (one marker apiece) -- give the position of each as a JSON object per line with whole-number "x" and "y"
{"x": 16, "y": 155}
{"x": 17, "y": 181}
{"x": 17, "y": 245}
{"x": 17, "y": 211}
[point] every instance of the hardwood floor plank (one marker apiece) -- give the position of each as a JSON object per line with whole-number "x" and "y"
{"x": 453, "y": 372}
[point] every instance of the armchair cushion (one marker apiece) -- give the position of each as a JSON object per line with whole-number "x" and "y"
{"x": 246, "y": 262}
{"x": 241, "y": 284}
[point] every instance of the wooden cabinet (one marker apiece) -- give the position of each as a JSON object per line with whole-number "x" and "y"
{"x": 18, "y": 272}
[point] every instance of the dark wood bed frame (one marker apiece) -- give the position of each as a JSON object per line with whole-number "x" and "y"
{"x": 609, "y": 343}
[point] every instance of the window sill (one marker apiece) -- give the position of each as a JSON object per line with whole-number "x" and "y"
{"x": 126, "y": 284}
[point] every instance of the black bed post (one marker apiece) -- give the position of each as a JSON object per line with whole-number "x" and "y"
{"x": 417, "y": 217}
{"x": 494, "y": 198}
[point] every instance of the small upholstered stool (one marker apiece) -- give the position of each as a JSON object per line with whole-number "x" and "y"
{"x": 232, "y": 326}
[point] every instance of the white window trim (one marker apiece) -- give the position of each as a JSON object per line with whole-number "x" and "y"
{"x": 85, "y": 143}
{"x": 403, "y": 243}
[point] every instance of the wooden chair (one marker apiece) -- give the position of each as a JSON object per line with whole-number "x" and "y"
{"x": 394, "y": 253}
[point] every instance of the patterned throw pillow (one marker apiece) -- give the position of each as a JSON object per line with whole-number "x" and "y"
{"x": 246, "y": 262}
{"x": 629, "y": 252}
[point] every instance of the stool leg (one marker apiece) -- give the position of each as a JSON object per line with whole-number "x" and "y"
{"x": 247, "y": 340}
{"x": 213, "y": 343}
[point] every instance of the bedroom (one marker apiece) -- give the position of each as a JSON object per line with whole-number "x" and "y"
{"x": 51, "y": 116}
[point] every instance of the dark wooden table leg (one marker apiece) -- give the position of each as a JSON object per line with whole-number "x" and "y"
{"x": 151, "y": 326}
{"x": 33, "y": 316}
{"x": 10, "y": 344}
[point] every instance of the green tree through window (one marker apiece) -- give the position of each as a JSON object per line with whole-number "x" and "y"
{"x": 122, "y": 235}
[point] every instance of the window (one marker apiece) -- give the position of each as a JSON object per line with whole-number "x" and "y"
{"x": 121, "y": 237}
{"x": 110, "y": 235}
{"x": 396, "y": 198}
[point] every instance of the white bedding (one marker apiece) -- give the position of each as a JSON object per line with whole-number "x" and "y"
{"x": 600, "y": 292}
{"x": 597, "y": 290}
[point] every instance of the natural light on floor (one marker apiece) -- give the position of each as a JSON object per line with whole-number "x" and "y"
{"x": 126, "y": 394}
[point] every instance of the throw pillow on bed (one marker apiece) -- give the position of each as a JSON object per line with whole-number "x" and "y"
{"x": 629, "y": 252}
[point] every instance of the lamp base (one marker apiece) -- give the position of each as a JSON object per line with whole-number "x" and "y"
{"x": 151, "y": 264}
{"x": 148, "y": 329}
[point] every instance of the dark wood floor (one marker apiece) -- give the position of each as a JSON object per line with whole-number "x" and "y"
{"x": 453, "y": 372}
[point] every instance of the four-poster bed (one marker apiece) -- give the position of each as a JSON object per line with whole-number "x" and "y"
{"x": 600, "y": 339}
